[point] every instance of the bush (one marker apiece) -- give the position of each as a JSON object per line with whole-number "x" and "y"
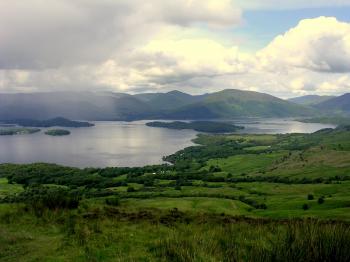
{"x": 320, "y": 200}
{"x": 40, "y": 198}
{"x": 130, "y": 189}
{"x": 177, "y": 187}
{"x": 310, "y": 197}
{"x": 306, "y": 207}
{"x": 112, "y": 201}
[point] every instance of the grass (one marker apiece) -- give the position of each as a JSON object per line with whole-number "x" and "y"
{"x": 166, "y": 236}
{"x": 248, "y": 163}
{"x": 191, "y": 204}
{"x": 8, "y": 189}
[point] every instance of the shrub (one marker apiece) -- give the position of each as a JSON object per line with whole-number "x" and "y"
{"x": 306, "y": 207}
{"x": 310, "y": 197}
{"x": 320, "y": 200}
{"x": 112, "y": 201}
{"x": 130, "y": 189}
{"x": 40, "y": 198}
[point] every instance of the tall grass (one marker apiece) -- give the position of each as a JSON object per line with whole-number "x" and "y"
{"x": 293, "y": 241}
{"x": 99, "y": 235}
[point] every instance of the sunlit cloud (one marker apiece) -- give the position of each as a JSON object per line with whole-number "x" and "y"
{"x": 156, "y": 46}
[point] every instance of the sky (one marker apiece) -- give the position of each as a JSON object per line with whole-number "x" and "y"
{"x": 285, "y": 48}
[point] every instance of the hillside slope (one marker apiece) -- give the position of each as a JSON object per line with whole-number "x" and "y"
{"x": 310, "y": 99}
{"x": 340, "y": 104}
{"x": 236, "y": 103}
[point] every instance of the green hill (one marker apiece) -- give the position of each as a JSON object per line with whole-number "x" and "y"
{"x": 237, "y": 103}
{"x": 172, "y": 105}
{"x": 310, "y": 99}
{"x": 340, "y": 104}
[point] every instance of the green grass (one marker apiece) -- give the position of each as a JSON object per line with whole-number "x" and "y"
{"x": 191, "y": 204}
{"x": 8, "y": 189}
{"x": 250, "y": 163}
{"x": 165, "y": 236}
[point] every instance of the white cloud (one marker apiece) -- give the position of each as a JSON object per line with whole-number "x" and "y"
{"x": 40, "y": 34}
{"x": 289, "y": 4}
{"x": 134, "y": 45}
{"x": 320, "y": 44}
{"x": 335, "y": 86}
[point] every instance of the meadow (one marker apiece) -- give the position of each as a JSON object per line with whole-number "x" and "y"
{"x": 231, "y": 198}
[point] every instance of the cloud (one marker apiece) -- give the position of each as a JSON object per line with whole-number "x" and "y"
{"x": 289, "y": 4}
{"x": 320, "y": 44}
{"x": 335, "y": 86}
{"x": 41, "y": 34}
{"x": 134, "y": 45}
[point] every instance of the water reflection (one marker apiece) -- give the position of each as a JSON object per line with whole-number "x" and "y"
{"x": 121, "y": 143}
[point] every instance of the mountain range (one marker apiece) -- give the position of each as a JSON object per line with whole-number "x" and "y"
{"x": 310, "y": 100}
{"x": 224, "y": 104}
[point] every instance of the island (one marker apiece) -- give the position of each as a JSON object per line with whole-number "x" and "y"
{"x": 200, "y": 126}
{"x": 57, "y": 121}
{"x": 18, "y": 131}
{"x": 57, "y": 132}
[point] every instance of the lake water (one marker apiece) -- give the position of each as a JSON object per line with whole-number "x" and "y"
{"x": 122, "y": 143}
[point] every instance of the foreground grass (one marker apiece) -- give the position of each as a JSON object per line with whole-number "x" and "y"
{"x": 103, "y": 233}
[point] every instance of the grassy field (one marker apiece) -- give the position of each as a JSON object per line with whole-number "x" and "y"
{"x": 8, "y": 189}
{"x": 233, "y": 198}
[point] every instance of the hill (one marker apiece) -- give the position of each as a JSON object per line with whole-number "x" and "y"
{"x": 237, "y": 103}
{"x": 72, "y": 105}
{"x": 310, "y": 99}
{"x": 171, "y": 105}
{"x": 168, "y": 101}
{"x": 340, "y": 104}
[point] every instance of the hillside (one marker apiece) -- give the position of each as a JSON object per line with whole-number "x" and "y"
{"x": 236, "y": 103}
{"x": 310, "y": 99}
{"x": 72, "y": 105}
{"x": 340, "y": 104}
{"x": 172, "y": 105}
{"x": 168, "y": 101}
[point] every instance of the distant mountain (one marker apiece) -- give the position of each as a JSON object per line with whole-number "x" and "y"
{"x": 168, "y": 101}
{"x": 72, "y": 105}
{"x": 172, "y": 105}
{"x": 340, "y": 104}
{"x": 310, "y": 99}
{"x": 237, "y": 103}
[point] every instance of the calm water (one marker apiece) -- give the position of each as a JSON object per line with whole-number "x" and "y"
{"x": 121, "y": 143}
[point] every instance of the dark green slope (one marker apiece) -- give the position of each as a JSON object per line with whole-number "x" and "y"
{"x": 340, "y": 104}
{"x": 236, "y": 103}
{"x": 172, "y": 105}
{"x": 310, "y": 99}
{"x": 168, "y": 101}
